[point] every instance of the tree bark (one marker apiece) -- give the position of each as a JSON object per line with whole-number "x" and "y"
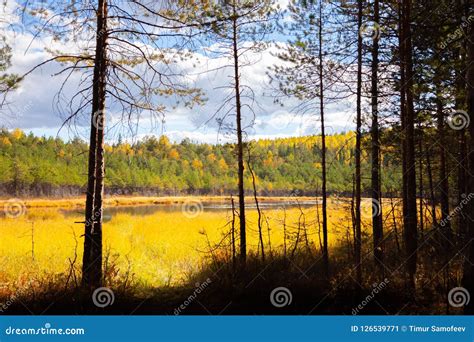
{"x": 92, "y": 257}
{"x": 259, "y": 212}
{"x": 462, "y": 139}
{"x": 420, "y": 179}
{"x": 323, "y": 145}
{"x": 96, "y": 236}
{"x": 410, "y": 212}
{"x": 432, "y": 193}
{"x": 468, "y": 277}
{"x": 462, "y": 179}
{"x": 240, "y": 148}
{"x": 377, "y": 225}
{"x": 357, "y": 215}
{"x": 233, "y": 232}
{"x": 403, "y": 107}
{"x": 443, "y": 175}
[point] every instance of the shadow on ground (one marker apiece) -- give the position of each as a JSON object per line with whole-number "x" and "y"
{"x": 280, "y": 285}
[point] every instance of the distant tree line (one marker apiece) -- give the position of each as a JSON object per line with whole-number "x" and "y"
{"x": 40, "y": 166}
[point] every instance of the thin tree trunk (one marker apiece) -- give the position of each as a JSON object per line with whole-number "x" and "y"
{"x": 353, "y": 220}
{"x": 284, "y": 233}
{"x": 96, "y": 236}
{"x": 259, "y": 212}
{"x": 410, "y": 214}
{"x": 297, "y": 239}
{"x": 318, "y": 221}
{"x": 462, "y": 179}
{"x": 443, "y": 186}
{"x": 443, "y": 175}
{"x": 323, "y": 145}
{"x": 402, "y": 107}
{"x": 395, "y": 229}
{"x": 420, "y": 178}
{"x": 92, "y": 257}
{"x": 462, "y": 140}
{"x": 468, "y": 277}
{"x": 269, "y": 236}
{"x": 240, "y": 148}
{"x": 233, "y": 230}
{"x": 432, "y": 194}
{"x": 377, "y": 225}
{"x": 358, "y": 231}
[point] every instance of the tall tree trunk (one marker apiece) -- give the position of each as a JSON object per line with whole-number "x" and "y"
{"x": 462, "y": 179}
{"x": 323, "y": 143}
{"x": 232, "y": 236}
{"x": 375, "y": 134}
{"x": 468, "y": 278}
{"x": 358, "y": 231}
{"x": 257, "y": 205}
{"x": 432, "y": 194}
{"x": 403, "y": 107}
{"x": 240, "y": 147}
{"x": 462, "y": 140}
{"x": 92, "y": 257}
{"x": 410, "y": 214}
{"x": 420, "y": 178}
{"x": 96, "y": 236}
{"x": 443, "y": 175}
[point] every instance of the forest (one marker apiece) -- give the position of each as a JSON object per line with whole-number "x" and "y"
{"x": 377, "y": 219}
{"x": 36, "y": 167}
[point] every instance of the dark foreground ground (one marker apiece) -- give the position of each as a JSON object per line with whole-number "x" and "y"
{"x": 278, "y": 286}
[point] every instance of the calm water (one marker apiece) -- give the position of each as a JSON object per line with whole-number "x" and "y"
{"x": 146, "y": 210}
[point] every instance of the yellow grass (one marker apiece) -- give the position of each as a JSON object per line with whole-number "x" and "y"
{"x": 162, "y": 248}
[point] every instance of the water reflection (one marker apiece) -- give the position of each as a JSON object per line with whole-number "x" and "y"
{"x": 146, "y": 210}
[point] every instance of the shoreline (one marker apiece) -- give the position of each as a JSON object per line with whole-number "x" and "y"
{"x": 116, "y": 201}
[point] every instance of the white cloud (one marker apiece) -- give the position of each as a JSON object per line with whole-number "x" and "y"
{"x": 36, "y": 95}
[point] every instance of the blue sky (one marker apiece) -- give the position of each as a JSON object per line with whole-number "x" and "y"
{"x": 33, "y": 106}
